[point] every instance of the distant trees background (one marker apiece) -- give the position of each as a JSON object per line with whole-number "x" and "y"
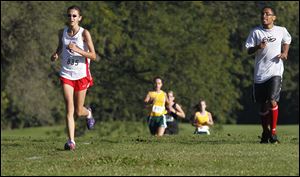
{"x": 197, "y": 47}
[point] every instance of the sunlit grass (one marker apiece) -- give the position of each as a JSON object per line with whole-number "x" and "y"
{"x": 126, "y": 148}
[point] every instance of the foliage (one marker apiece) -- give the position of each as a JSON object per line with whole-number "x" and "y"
{"x": 197, "y": 47}
{"x": 26, "y": 43}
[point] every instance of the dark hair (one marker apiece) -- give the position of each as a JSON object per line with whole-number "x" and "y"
{"x": 268, "y": 7}
{"x": 158, "y": 77}
{"x": 76, "y": 8}
{"x": 198, "y": 106}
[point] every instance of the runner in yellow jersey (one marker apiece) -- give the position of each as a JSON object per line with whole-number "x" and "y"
{"x": 156, "y": 101}
{"x": 202, "y": 119}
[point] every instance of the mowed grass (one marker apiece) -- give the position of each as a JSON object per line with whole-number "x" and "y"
{"x": 126, "y": 148}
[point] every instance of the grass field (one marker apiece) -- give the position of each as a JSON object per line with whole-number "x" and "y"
{"x": 126, "y": 148}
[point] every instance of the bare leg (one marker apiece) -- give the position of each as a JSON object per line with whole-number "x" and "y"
{"x": 160, "y": 131}
{"x": 69, "y": 101}
{"x": 79, "y": 102}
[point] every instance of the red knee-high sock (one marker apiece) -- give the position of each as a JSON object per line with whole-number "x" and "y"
{"x": 274, "y": 117}
{"x": 265, "y": 121}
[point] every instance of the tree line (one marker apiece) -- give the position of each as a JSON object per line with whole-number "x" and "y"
{"x": 196, "y": 47}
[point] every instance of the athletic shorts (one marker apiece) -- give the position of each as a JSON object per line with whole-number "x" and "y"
{"x": 202, "y": 130}
{"x": 172, "y": 128}
{"x": 78, "y": 85}
{"x": 155, "y": 122}
{"x": 269, "y": 90}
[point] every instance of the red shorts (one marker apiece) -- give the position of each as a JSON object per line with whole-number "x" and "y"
{"x": 78, "y": 85}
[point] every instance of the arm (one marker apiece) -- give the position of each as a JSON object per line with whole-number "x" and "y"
{"x": 210, "y": 121}
{"x": 91, "y": 54}
{"x": 147, "y": 98}
{"x": 195, "y": 121}
{"x": 58, "y": 51}
{"x": 167, "y": 101}
{"x": 179, "y": 112}
{"x": 252, "y": 50}
{"x": 147, "y": 101}
{"x": 284, "y": 53}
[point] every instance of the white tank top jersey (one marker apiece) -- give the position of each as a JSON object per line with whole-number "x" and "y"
{"x": 74, "y": 65}
{"x": 267, "y": 64}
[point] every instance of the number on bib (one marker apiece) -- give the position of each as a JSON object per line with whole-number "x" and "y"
{"x": 157, "y": 109}
{"x": 71, "y": 61}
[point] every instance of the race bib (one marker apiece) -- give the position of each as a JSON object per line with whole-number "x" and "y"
{"x": 169, "y": 118}
{"x": 158, "y": 109}
{"x": 73, "y": 62}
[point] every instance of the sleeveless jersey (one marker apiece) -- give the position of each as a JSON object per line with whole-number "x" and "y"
{"x": 158, "y": 107}
{"x": 74, "y": 65}
{"x": 201, "y": 119}
{"x": 267, "y": 64}
{"x": 171, "y": 116}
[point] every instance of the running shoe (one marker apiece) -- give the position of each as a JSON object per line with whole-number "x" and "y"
{"x": 265, "y": 136}
{"x": 90, "y": 122}
{"x": 274, "y": 140}
{"x": 69, "y": 146}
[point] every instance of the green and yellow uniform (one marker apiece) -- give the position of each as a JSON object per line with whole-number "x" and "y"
{"x": 158, "y": 104}
{"x": 158, "y": 111}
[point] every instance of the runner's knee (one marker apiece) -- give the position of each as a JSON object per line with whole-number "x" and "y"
{"x": 273, "y": 103}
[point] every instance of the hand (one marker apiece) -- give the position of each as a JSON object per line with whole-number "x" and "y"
{"x": 262, "y": 45}
{"x": 72, "y": 47}
{"x": 153, "y": 100}
{"x": 54, "y": 57}
{"x": 282, "y": 56}
{"x": 170, "y": 108}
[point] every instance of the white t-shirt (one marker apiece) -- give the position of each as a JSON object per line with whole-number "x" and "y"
{"x": 267, "y": 64}
{"x": 74, "y": 65}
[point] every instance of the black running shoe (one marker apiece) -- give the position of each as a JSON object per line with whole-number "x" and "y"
{"x": 264, "y": 141}
{"x": 265, "y": 136}
{"x": 274, "y": 140}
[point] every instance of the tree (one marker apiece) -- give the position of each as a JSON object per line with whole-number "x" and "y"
{"x": 197, "y": 47}
{"x": 27, "y": 39}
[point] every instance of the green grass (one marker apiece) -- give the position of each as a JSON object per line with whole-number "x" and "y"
{"x": 126, "y": 148}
